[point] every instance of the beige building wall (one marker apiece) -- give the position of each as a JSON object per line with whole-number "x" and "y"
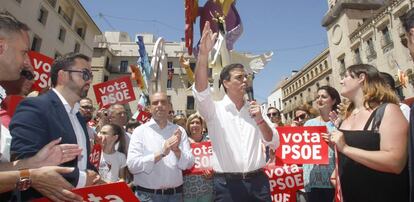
{"x": 113, "y": 48}
{"x": 57, "y": 26}
{"x": 368, "y": 33}
{"x": 301, "y": 88}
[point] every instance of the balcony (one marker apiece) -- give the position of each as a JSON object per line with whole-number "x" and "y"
{"x": 371, "y": 54}
{"x": 51, "y": 2}
{"x": 66, "y": 15}
{"x": 386, "y": 44}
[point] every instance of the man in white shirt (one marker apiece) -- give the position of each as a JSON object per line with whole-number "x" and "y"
{"x": 158, "y": 153}
{"x": 54, "y": 115}
{"x": 237, "y": 131}
{"x": 21, "y": 174}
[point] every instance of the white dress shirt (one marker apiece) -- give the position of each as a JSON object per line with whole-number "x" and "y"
{"x": 80, "y": 138}
{"x": 236, "y": 139}
{"x": 148, "y": 139}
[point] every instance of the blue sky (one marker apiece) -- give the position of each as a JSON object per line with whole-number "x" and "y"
{"x": 290, "y": 28}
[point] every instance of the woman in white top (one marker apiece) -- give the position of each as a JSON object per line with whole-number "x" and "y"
{"x": 113, "y": 163}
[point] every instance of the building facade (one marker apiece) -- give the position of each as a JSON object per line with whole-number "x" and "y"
{"x": 57, "y": 26}
{"x": 370, "y": 33}
{"x": 115, "y": 51}
{"x": 301, "y": 87}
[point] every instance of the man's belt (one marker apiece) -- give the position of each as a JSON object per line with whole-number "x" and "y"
{"x": 169, "y": 191}
{"x": 240, "y": 176}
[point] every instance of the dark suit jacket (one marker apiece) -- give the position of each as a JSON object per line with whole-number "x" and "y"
{"x": 36, "y": 122}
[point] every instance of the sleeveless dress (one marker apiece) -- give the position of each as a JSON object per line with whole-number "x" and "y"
{"x": 360, "y": 183}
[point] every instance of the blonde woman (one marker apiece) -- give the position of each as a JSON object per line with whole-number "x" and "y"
{"x": 197, "y": 188}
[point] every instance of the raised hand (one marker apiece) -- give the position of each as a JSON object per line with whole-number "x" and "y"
{"x": 207, "y": 39}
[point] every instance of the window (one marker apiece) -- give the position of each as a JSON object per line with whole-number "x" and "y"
{"x": 386, "y": 36}
{"x": 79, "y": 31}
{"x": 62, "y": 34}
{"x": 36, "y": 43}
{"x": 371, "y": 54}
{"x": 77, "y": 48}
{"x": 342, "y": 69}
{"x": 386, "y": 41}
{"x": 124, "y": 66}
{"x": 42, "y": 16}
{"x": 190, "y": 103}
{"x": 357, "y": 56}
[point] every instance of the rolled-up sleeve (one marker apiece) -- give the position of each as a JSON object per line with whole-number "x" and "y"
{"x": 139, "y": 160}
{"x": 274, "y": 142}
{"x": 187, "y": 159}
{"x": 204, "y": 103}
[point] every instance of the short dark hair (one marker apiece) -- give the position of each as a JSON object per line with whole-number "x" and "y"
{"x": 9, "y": 25}
{"x": 63, "y": 63}
{"x": 408, "y": 20}
{"x": 225, "y": 73}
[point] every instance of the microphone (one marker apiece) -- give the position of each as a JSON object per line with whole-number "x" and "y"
{"x": 250, "y": 94}
{"x": 249, "y": 88}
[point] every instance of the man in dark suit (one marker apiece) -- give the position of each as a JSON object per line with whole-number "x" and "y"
{"x": 55, "y": 114}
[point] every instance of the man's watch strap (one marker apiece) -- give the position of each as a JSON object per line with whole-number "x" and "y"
{"x": 24, "y": 181}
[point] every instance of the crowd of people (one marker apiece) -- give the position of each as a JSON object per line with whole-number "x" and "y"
{"x": 46, "y": 142}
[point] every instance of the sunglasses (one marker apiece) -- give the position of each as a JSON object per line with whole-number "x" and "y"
{"x": 27, "y": 74}
{"x": 86, "y": 74}
{"x": 274, "y": 114}
{"x": 90, "y": 108}
{"x": 302, "y": 117}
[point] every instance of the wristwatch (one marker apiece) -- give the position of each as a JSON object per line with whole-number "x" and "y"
{"x": 24, "y": 181}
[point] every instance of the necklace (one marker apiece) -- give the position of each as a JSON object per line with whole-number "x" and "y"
{"x": 356, "y": 111}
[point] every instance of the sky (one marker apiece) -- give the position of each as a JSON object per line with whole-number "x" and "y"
{"x": 290, "y": 28}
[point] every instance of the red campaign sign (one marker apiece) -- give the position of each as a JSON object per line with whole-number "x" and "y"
{"x": 202, "y": 152}
{"x": 116, "y": 91}
{"x": 143, "y": 117}
{"x": 284, "y": 181}
{"x": 103, "y": 193}
{"x": 95, "y": 156}
{"x": 42, "y": 66}
{"x": 302, "y": 145}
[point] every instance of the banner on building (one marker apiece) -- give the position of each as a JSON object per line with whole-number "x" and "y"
{"x": 116, "y": 91}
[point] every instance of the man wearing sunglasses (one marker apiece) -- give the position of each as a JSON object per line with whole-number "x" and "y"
{"x": 54, "y": 115}
{"x": 408, "y": 41}
{"x": 28, "y": 172}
